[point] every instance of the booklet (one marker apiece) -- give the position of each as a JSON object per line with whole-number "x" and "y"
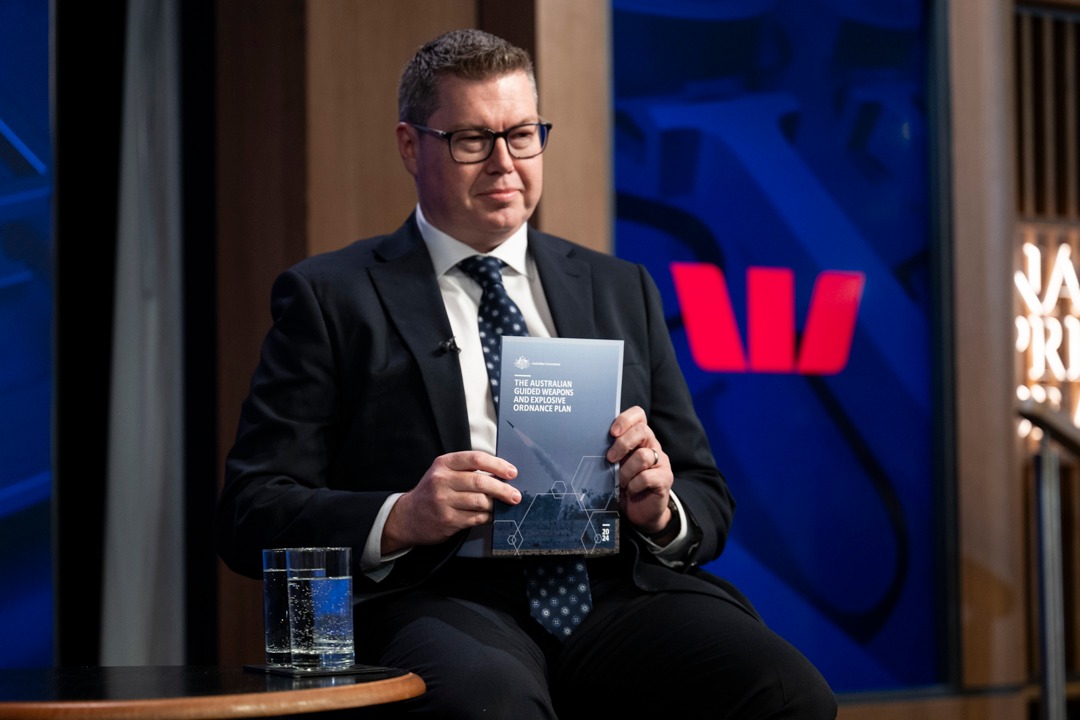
{"x": 557, "y": 400}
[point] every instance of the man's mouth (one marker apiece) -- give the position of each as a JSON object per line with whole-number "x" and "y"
{"x": 501, "y": 194}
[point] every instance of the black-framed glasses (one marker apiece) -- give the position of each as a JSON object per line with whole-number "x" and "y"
{"x": 475, "y": 145}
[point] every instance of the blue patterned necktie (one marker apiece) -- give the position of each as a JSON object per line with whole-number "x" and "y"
{"x": 557, "y": 587}
{"x": 498, "y": 314}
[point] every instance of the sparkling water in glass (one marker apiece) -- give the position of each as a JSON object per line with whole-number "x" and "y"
{"x": 320, "y": 608}
{"x": 276, "y": 608}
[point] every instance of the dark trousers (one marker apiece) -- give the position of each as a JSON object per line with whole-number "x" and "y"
{"x": 661, "y": 654}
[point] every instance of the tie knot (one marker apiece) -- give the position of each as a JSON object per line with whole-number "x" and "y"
{"x": 484, "y": 269}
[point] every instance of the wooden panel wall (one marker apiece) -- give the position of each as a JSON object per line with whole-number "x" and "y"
{"x": 573, "y": 56}
{"x": 990, "y": 491}
{"x": 356, "y": 51}
{"x": 261, "y": 215}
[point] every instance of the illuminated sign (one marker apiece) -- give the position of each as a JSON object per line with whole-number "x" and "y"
{"x": 713, "y": 334}
{"x": 1048, "y": 326}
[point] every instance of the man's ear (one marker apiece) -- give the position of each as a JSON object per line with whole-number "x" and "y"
{"x": 408, "y": 140}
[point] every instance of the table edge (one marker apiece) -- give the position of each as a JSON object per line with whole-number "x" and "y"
{"x": 207, "y": 707}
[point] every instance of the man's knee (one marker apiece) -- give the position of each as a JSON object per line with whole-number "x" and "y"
{"x": 784, "y": 685}
{"x": 491, "y": 685}
{"x": 811, "y": 699}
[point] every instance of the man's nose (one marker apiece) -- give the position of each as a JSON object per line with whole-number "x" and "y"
{"x": 500, "y": 157}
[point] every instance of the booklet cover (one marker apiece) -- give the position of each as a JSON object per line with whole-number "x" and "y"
{"x": 557, "y": 401}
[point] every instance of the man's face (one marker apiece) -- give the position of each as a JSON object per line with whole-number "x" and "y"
{"x": 480, "y": 204}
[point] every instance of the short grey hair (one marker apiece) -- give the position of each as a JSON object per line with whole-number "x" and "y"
{"x": 466, "y": 54}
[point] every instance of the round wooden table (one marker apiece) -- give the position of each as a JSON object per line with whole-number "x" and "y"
{"x": 184, "y": 693}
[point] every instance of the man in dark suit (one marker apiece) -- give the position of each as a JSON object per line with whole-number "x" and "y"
{"x": 370, "y": 424}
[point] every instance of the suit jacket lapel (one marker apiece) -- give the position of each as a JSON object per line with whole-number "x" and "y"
{"x": 406, "y": 282}
{"x": 567, "y": 285}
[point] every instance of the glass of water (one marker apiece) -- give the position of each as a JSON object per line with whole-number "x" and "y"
{"x": 276, "y": 607}
{"x": 320, "y": 607}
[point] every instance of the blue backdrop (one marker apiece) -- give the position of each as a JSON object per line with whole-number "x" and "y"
{"x": 25, "y": 335}
{"x": 771, "y": 171}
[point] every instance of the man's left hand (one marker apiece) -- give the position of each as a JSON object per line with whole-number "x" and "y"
{"x": 645, "y": 473}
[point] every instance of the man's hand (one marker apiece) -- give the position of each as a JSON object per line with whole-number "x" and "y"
{"x": 645, "y": 474}
{"x": 457, "y": 492}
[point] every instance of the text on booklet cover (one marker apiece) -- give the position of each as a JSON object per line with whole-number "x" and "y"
{"x": 557, "y": 400}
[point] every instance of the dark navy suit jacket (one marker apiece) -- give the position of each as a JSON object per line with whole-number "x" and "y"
{"x": 355, "y": 395}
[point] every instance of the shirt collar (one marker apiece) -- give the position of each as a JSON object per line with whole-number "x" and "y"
{"x": 446, "y": 252}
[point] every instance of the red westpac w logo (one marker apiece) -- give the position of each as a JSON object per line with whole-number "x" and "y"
{"x": 713, "y": 334}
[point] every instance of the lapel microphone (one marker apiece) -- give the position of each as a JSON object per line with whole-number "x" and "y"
{"x": 450, "y": 345}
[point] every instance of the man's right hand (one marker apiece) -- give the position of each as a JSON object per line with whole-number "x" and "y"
{"x": 457, "y": 492}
